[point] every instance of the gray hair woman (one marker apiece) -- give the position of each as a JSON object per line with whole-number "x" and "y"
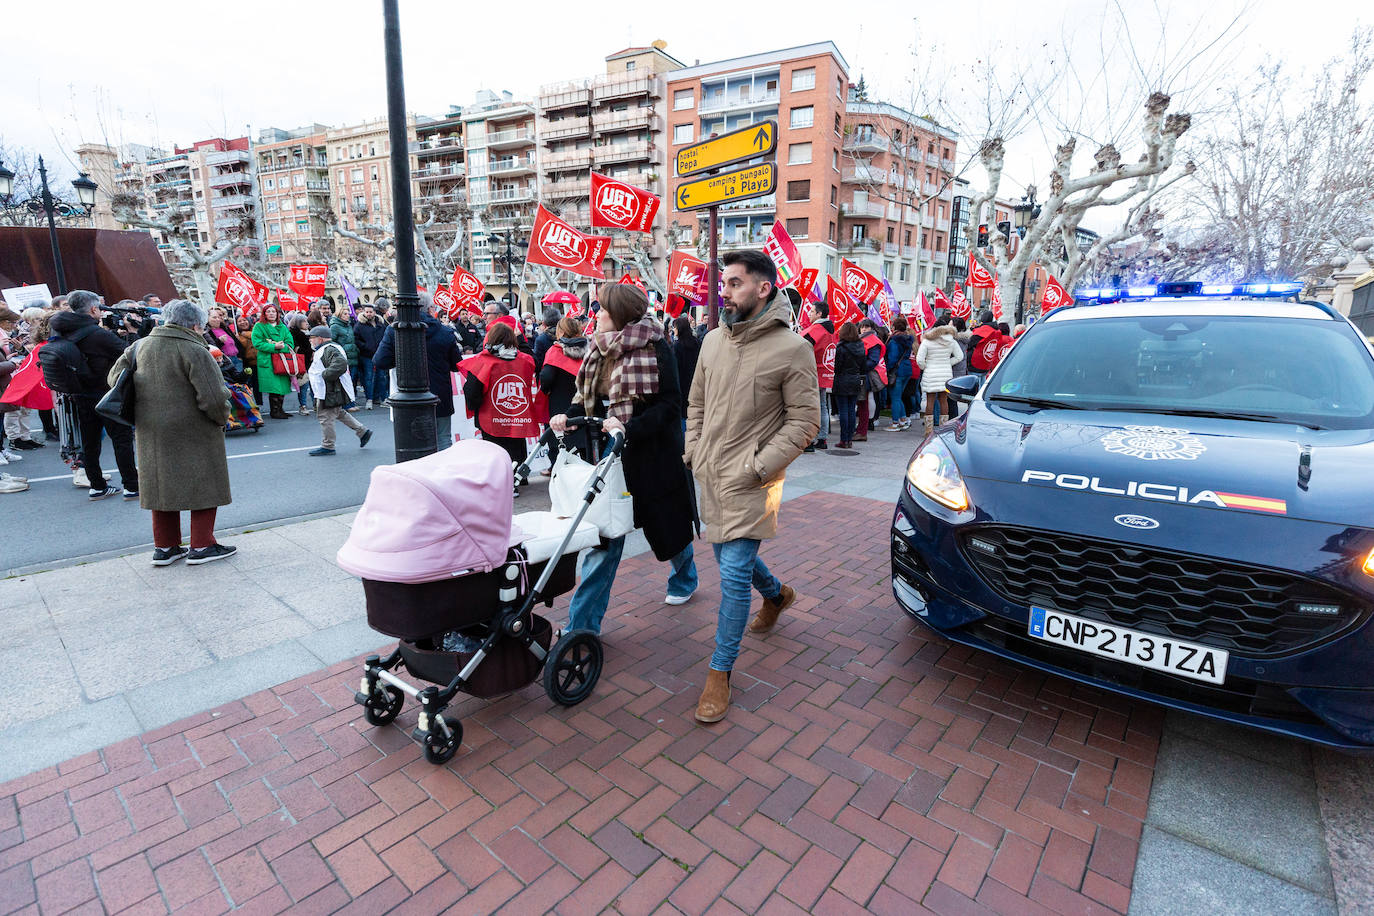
{"x": 181, "y": 405}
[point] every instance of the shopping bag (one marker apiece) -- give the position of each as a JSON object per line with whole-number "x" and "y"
{"x": 612, "y": 512}
{"x": 287, "y": 363}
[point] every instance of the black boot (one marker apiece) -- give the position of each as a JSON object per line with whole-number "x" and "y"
{"x": 277, "y": 412}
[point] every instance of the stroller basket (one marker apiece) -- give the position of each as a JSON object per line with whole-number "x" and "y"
{"x": 507, "y": 667}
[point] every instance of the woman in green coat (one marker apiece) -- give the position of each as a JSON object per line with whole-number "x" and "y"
{"x": 271, "y": 335}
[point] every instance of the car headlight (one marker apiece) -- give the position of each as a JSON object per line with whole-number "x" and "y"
{"x": 1369, "y": 563}
{"x": 933, "y": 472}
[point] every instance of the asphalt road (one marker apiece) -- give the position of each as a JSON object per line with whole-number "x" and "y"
{"x": 271, "y": 478}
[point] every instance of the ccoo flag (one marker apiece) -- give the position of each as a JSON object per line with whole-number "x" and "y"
{"x": 786, "y": 258}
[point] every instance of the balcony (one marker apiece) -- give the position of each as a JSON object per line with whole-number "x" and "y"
{"x": 565, "y": 129}
{"x": 168, "y": 162}
{"x": 511, "y": 195}
{"x": 436, "y": 172}
{"x": 318, "y": 186}
{"x": 567, "y": 159}
{"x": 433, "y": 146}
{"x": 630, "y": 119}
{"x": 509, "y": 138}
{"x": 868, "y": 210}
{"x": 443, "y": 199}
{"x": 170, "y": 183}
{"x": 563, "y": 95}
{"x": 567, "y": 190}
{"x": 866, "y": 143}
{"x": 649, "y": 181}
{"x": 767, "y": 202}
{"x": 184, "y": 206}
{"x": 623, "y": 152}
{"x": 231, "y": 200}
{"x": 622, "y": 86}
{"x": 229, "y": 222}
{"x": 228, "y": 157}
{"x": 725, "y": 102}
{"x": 516, "y": 165}
{"x": 230, "y": 179}
{"x": 890, "y": 249}
{"x": 863, "y": 175}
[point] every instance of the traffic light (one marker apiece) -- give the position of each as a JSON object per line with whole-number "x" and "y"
{"x": 1004, "y": 227}
{"x": 982, "y": 235}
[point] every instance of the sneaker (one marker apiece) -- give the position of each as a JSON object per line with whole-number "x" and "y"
{"x": 809, "y": 449}
{"x": 10, "y": 484}
{"x": 210, "y": 554}
{"x": 9, "y": 456}
{"x": 14, "y": 477}
{"x": 321, "y": 451}
{"x": 678, "y": 599}
{"x": 130, "y": 494}
{"x": 27, "y": 445}
{"x": 893, "y": 427}
{"x": 820, "y": 444}
{"x": 365, "y": 438}
{"x": 101, "y": 494}
{"x": 79, "y": 478}
{"x": 166, "y": 556}
{"x": 368, "y": 405}
{"x": 304, "y": 410}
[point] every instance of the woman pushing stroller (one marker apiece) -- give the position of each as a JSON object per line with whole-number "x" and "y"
{"x": 629, "y": 376}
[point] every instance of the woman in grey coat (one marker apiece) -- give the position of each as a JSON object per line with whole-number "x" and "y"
{"x": 180, "y": 407}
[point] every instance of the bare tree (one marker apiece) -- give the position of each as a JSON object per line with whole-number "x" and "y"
{"x": 197, "y": 266}
{"x": 639, "y": 259}
{"x": 29, "y": 186}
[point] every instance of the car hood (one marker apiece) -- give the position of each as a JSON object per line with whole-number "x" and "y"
{"x": 1196, "y": 461}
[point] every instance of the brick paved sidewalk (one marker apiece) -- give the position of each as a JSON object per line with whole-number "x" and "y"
{"x": 865, "y": 765}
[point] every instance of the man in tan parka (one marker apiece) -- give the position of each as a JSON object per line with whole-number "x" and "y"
{"x": 753, "y": 407}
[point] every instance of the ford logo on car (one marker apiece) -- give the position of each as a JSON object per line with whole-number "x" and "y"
{"x": 1139, "y": 522}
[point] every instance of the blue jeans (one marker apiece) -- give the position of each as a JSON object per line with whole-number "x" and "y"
{"x": 740, "y": 568}
{"x": 443, "y": 432}
{"x": 599, "y": 566}
{"x": 381, "y": 385}
{"x": 365, "y": 375}
{"x": 848, "y": 410}
{"x": 895, "y": 395}
{"x": 825, "y": 416}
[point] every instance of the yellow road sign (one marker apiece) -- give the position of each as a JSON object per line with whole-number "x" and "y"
{"x": 727, "y": 187}
{"x": 746, "y": 143}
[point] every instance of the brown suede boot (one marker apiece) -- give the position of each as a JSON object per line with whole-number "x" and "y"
{"x": 715, "y": 696}
{"x": 770, "y": 609}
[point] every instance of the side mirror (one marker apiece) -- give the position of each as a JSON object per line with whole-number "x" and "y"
{"x": 964, "y": 387}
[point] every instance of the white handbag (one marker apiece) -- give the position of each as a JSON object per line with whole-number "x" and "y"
{"x": 612, "y": 512}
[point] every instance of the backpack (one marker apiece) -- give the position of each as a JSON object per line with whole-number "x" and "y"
{"x": 982, "y": 355}
{"x": 65, "y": 369}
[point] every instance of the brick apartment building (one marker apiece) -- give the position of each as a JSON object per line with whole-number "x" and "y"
{"x": 293, "y": 184}
{"x": 804, "y": 89}
{"x": 359, "y": 157}
{"x": 502, "y": 187}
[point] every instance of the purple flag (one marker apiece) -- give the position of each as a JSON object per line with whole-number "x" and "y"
{"x": 873, "y": 314}
{"x": 891, "y": 296}
{"x": 350, "y": 295}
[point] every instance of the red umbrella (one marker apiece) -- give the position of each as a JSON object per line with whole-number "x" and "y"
{"x": 561, "y": 297}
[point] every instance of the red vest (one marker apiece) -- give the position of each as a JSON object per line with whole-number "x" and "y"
{"x": 982, "y": 348}
{"x": 1003, "y": 347}
{"x": 823, "y": 343}
{"x": 508, "y": 394}
{"x": 872, "y": 340}
{"x": 554, "y": 356}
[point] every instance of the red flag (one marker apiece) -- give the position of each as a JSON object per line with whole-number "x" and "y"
{"x": 958, "y": 304}
{"x": 861, "y": 285}
{"x": 885, "y": 311}
{"x": 941, "y": 301}
{"x": 241, "y": 291}
{"x": 786, "y": 258}
{"x": 444, "y": 298}
{"x": 674, "y": 305}
{"x": 804, "y": 316}
{"x": 554, "y": 243}
{"x": 687, "y": 276}
{"x": 1055, "y": 295}
{"x": 308, "y": 279}
{"x": 996, "y": 304}
{"x": 927, "y": 313}
{"x": 806, "y": 284}
{"x": 843, "y": 308}
{"x": 634, "y": 281}
{"x": 978, "y": 275}
{"x": 289, "y": 302}
{"x": 467, "y": 289}
{"x": 575, "y": 309}
{"x": 617, "y": 205}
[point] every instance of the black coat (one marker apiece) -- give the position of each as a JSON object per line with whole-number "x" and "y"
{"x": 441, "y": 356}
{"x": 685, "y": 351}
{"x": 368, "y": 337}
{"x": 559, "y": 385}
{"x": 851, "y": 365}
{"x": 541, "y": 346}
{"x": 101, "y": 347}
{"x": 665, "y": 502}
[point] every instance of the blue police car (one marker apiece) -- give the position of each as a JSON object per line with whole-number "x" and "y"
{"x": 1168, "y": 493}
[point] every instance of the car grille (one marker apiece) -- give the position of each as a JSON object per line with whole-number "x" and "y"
{"x": 1250, "y": 610}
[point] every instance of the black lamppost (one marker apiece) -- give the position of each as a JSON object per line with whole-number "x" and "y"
{"x": 509, "y": 259}
{"x": 1023, "y": 214}
{"x": 45, "y": 203}
{"x": 412, "y": 402}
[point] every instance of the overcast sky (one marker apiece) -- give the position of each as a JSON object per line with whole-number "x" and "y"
{"x": 119, "y": 71}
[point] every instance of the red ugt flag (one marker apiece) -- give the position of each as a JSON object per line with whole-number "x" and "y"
{"x": 617, "y": 205}
{"x": 634, "y": 281}
{"x": 996, "y": 304}
{"x": 979, "y": 276}
{"x": 241, "y": 291}
{"x": 444, "y": 298}
{"x": 783, "y": 251}
{"x": 941, "y": 301}
{"x": 958, "y": 305}
{"x": 861, "y": 285}
{"x": 554, "y": 243}
{"x": 467, "y": 290}
{"x": 806, "y": 284}
{"x": 308, "y": 279}
{"x": 843, "y": 308}
{"x": 1055, "y": 295}
{"x": 687, "y": 276}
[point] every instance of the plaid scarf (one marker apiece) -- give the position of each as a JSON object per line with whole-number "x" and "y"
{"x": 628, "y": 355}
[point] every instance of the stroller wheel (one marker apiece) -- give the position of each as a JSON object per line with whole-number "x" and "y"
{"x": 383, "y": 706}
{"x": 440, "y": 750}
{"x": 573, "y": 667}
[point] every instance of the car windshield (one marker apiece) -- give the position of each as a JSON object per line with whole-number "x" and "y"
{"x": 1306, "y": 371}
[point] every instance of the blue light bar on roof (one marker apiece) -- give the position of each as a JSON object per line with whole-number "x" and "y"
{"x": 1170, "y": 290}
{"x": 1142, "y": 292}
{"x": 1221, "y": 289}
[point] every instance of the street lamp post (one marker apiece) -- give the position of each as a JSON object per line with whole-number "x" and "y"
{"x": 412, "y": 402}
{"x": 1023, "y": 214}
{"x": 47, "y": 204}
{"x": 509, "y": 258}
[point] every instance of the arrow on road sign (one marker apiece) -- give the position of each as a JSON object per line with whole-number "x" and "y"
{"x": 761, "y": 138}
{"x": 682, "y": 197}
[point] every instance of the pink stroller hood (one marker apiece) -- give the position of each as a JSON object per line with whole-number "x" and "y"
{"x": 443, "y": 515}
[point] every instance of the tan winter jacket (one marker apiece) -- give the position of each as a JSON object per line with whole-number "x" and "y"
{"x": 753, "y": 407}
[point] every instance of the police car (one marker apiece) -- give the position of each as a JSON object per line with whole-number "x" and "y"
{"x": 1166, "y": 492}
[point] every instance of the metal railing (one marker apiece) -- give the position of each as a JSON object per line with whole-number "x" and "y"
{"x": 869, "y": 209}
{"x": 863, "y": 175}
{"x": 513, "y": 164}
{"x": 225, "y": 157}
{"x": 867, "y": 142}
{"x": 508, "y": 195}
{"x": 519, "y": 135}
{"x": 564, "y": 128}
{"x": 737, "y": 100}
{"x": 558, "y": 189}
{"x": 567, "y": 159}
{"x": 624, "y": 151}
{"x": 228, "y": 179}
{"x": 452, "y": 170}
{"x": 618, "y": 120}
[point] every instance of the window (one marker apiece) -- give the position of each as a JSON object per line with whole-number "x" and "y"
{"x": 832, "y": 233}
{"x": 300, "y": 203}
{"x": 285, "y": 203}
{"x": 837, "y": 124}
{"x": 903, "y": 272}
{"x": 906, "y": 240}
{"x": 799, "y": 190}
{"x": 357, "y": 175}
{"x": 268, "y": 184}
{"x": 863, "y": 133}
{"x": 682, "y": 133}
{"x": 797, "y": 228}
{"x": 798, "y": 154}
{"x": 802, "y": 117}
{"x": 891, "y": 235}
{"x": 834, "y": 195}
{"x": 803, "y": 79}
{"x": 298, "y": 180}
{"x": 343, "y": 178}
{"x": 629, "y": 65}
{"x": 274, "y": 228}
{"x": 289, "y": 228}
{"x": 857, "y": 232}
{"x": 835, "y": 159}
{"x": 271, "y": 206}
{"x": 374, "y": 173}
{"x": 683, "y": 100}
{"x": 839, "y": 86}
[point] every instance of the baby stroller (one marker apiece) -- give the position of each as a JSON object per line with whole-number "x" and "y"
{"x": 447, "y": 570}
{"x": 243, "y": 410}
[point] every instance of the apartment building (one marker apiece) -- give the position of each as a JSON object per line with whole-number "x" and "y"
{"x": 359, "y": 157}
{"x": 439, "y": 175}
{"x": 293, "y": 184}
{"x": 612, "y": 123}
{"x": 499, "y": 136}
{"x": 805, "y": 90}
{"x": 897, "y": 194}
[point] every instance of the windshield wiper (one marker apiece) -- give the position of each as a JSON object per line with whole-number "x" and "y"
{"x": 1044, "y": 403}
{"x": 1224, "y": 415}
